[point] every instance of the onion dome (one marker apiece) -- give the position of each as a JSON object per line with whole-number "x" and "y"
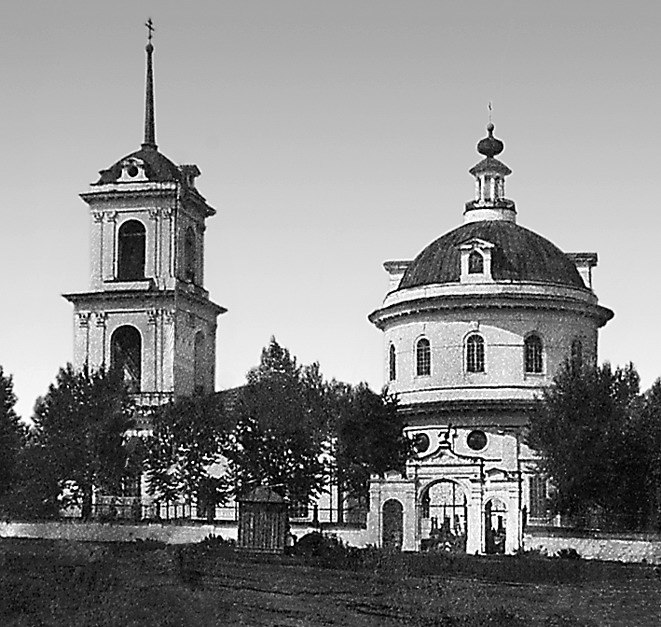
{"x": 490, "y": 146}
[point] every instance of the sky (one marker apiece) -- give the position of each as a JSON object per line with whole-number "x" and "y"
{"x": 331, "y": 136}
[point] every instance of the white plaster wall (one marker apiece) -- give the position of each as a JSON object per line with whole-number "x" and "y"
{"x": 503, "y": 331}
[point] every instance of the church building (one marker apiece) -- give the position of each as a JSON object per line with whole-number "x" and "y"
{"x": 146, "y": 309}
{"x": 474, "y": 329}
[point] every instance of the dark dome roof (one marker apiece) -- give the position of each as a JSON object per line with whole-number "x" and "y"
{"x": 518, "y": 255}
{"x": 157, "y": 167}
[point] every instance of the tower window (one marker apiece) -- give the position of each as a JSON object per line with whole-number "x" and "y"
{"x": 131, "y": 251}
{"x": 576, "y": 355}
{"x": 423, "y": 358}
{"x": 392, "y": 363}
{"x": 190, "y": 260}
{"x": 533, "y": 354}
{"x": 475, "y": 263}
{"x": 199, "y": 370}
{"x": 475, "y": 353}
{"x": 126, "y": 354}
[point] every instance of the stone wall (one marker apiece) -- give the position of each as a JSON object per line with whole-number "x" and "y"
{"x": 596, "y": 544}
{"x": 170, "y": 533}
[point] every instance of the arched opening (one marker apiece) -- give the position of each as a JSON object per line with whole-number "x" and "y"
{"x": 475, "y": 353}
{"x": 190, "y": 257}
{"x": 495, "y": 514}
{"x": 475, "y": 263}
{"x": 423, "y": 358}
{"x": 126, "y": 354}
{"x": 131, "y": 251}
{"x": 443, "y": 517}
{"x": 576, "y": 361}
{"x": 199, "y": 362}
{"x": 392, "y": 363}
{"x": 393, "y": 525}
{"x": 533, "y": 349}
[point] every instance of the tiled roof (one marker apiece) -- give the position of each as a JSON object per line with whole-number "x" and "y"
{"x": 519, "y": 255}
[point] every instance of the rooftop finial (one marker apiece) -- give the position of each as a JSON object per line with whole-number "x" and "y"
{"x": 150, "y": 124}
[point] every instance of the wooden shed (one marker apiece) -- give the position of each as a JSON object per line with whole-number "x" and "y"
{"x": 263, "y": 521}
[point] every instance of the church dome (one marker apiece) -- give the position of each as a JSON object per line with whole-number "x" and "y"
{"x": 519, "y": 255}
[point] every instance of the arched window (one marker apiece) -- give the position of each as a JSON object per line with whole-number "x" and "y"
{"x": 475, "y": 263}
{"x": 423, "y": 358}
{"x": 131, "y": 251}
{"x": 533, "y": 354}
{"x": 576, "y": 355}
{"x": 126, "y": 354}
{"x": 475, "y": 353}
{"x": 392, "y": 363}
{"x": 199, "y": 365}
{"x": 190, "y": 258}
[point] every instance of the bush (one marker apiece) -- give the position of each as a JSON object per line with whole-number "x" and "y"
{"x": 568, "y": 554}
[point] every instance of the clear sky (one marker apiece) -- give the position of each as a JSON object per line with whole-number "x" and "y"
{"x": 331, "y": 136}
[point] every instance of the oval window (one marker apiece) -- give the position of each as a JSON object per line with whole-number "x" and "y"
{"x": 421, "y": 443}
{"x": 477, "y": 440}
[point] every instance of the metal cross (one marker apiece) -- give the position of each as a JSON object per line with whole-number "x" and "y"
{"x": 150, "y": 27}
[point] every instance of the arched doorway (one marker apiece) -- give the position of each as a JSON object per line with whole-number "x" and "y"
{"x": 393, "y": 524}
{"x": 443, "y": 516}
{"x": 495, "y": 527}
{"x": 126, "y": 354}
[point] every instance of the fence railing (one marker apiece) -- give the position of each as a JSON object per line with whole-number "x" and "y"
{"x": 131, "y": 509}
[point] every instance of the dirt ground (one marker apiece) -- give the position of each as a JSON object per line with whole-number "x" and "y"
{"x": 45, "y": 583}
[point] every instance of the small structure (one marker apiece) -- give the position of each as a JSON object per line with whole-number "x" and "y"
{"x": 263, "y": 521}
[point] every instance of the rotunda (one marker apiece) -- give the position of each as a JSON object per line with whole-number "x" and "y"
{"x": 474, "y": 328}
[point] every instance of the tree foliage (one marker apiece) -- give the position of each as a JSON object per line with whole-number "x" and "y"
{"x": 280, "y": 427}
{"x": 599, "y": 441}
{"x": 368, "y": 437}
{"x": 79, "y": 429}
{"x": 188, "y": 435}
{"x": 12, "y": 436}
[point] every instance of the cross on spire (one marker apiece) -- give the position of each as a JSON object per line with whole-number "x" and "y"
{"x": 150, "y": 123}
{"x": 150, "y": 28}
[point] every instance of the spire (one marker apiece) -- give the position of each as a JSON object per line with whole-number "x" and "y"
{"x": 150, "y": 124}
{"x": 490, "y": 202}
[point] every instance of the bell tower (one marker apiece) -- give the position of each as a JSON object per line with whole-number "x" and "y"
{"x": 146, "y": 310}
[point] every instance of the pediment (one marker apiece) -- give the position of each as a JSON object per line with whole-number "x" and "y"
{"x": 476, "y": 242}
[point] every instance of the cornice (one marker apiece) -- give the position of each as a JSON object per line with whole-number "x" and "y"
{"x": 418, "y": 301}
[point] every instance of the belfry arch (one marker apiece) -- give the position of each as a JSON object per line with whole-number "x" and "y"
{"x": 126, "y": 354}
{"x": 131, "y": 251}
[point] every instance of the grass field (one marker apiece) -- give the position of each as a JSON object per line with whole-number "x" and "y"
{"x": 58, "y": 583}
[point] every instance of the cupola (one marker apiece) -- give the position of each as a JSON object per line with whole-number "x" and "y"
{"x": 490, "y": 202}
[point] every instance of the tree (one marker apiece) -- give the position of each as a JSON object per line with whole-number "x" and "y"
{"x": 80, "y": 426}
{"x": 368, "y": 436}
{"x": 188, "y": 435}
{"x": 279, "y": 431}
{"x": 585, "y": 428}
{"x": 12, "y": 436}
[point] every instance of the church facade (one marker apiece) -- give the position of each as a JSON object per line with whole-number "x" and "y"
{"x": 474, "y": 328}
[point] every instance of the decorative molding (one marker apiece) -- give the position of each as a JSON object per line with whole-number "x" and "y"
{"x": 168, "y": 316}
{"x": 167, "y": 212}
{"x": 154, "y": 212}
{"x": 111, "y": 216}
{"x": 101, "y": 318}
{"x": 83, "y": 318}
{"x": 152, "y": 316}
{"x": 98, "y": 216}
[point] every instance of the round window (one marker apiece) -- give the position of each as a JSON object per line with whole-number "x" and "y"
{"x": 477, "y": 440}
{"x": 132, "y": 171}
{"x": 421, "y": 442}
